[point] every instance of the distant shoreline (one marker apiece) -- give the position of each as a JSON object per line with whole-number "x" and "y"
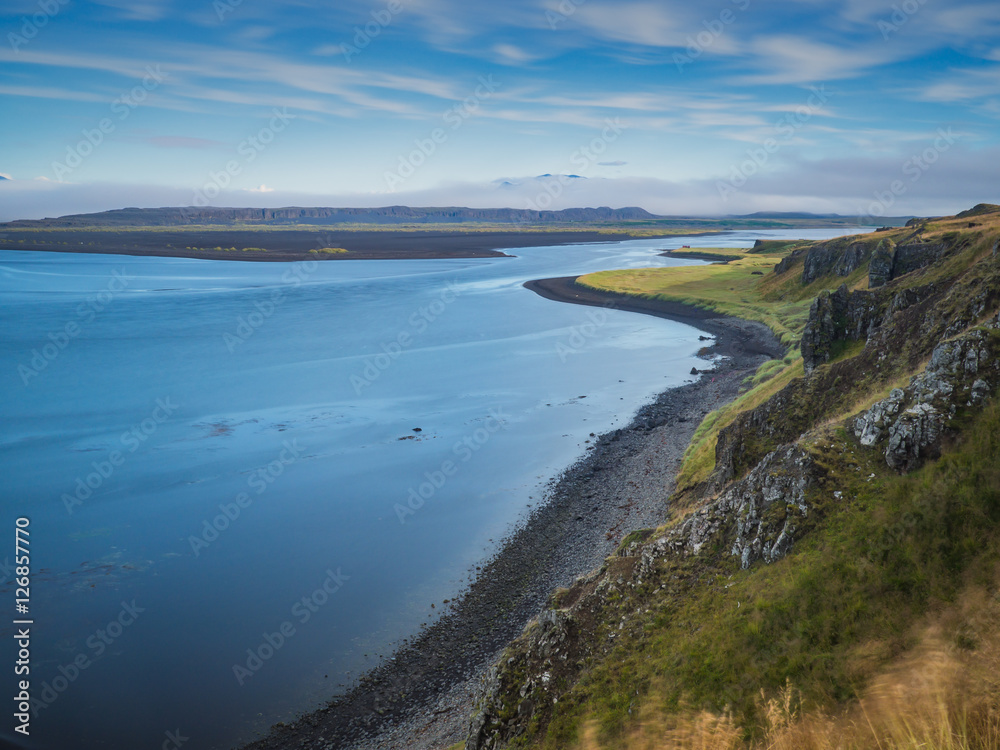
{"x": 295, "y": 245}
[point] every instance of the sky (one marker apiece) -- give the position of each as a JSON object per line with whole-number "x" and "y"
{"x": 710, "y": 108}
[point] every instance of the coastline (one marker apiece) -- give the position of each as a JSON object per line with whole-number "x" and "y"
{"x": 295, "y": 245}
{"x": 422, "y": 697}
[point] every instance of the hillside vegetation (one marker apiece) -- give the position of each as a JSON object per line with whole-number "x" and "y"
{"x": 830, "y": 577}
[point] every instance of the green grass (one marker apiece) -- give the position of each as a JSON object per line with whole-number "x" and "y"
{"x": 228, "y": 249}
{"x": 730, "y": 289}
{"x": 828, "y": 617}
{"x": 328, "y": 251}
{"x": 699, "y": 458}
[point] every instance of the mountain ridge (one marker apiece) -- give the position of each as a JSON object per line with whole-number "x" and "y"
{"x": 179, "y": 216}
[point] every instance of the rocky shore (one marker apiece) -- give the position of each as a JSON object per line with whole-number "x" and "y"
{"x": 422, "y": 697}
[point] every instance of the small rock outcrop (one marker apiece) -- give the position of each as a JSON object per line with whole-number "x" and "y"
{"x": 911, "y": 422}
{"x": 756, "y": 518}
{"x": 837, "y": 316}
{"x": 880, "y": 266}
{"x": 839, "y": 256}
{"x": 516, "y": 685}
{"x": 789, "y": 260}
{"x": 914, "y": 255}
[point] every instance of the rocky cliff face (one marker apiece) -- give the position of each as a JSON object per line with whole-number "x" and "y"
{"x": 838, "y": 317}
{"x": 911, "y": 423}
{"x": 885, "y": 258}
{"x": 772, "y": 480}
{"x": 840, "y": 256}
{"x": 757, "y": 518}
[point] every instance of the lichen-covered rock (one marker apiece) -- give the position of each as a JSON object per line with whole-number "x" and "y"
{"x": 838, "y": 316}
{"x": 826, "y": 320}
{"x": 962, "y": 372}
{"x": 913, "y": 437}
{"x": 839, "y": 256}
{"x": 789, "y": 260}
{"x": 523, "y": 679}
{"x": 756, "y": 518}
{"x": 871, "y": 426}
{"x": 914, "y": 255}
{"x": 880, "y": 267}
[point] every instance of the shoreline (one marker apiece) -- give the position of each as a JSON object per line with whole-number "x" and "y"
{"x": 295, "y": 245}
{"x": 422, "y": 697}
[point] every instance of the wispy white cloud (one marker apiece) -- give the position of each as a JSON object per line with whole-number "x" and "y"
{"x": 786, "y": 59}
{"x": 138, "y": 10}
{"x": 645, "y": 23}
{"x": 180, "y": 141}
{"x": 48, "y": 92}
{"x": 509, "y": 53}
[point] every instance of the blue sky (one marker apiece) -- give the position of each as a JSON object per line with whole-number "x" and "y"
{"x": 716, "y": 107}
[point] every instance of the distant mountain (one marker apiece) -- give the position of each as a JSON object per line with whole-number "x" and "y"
{"x": 296, "y": 215}
{"x": 3, "y": 178}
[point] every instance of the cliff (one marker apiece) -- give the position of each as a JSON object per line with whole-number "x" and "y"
{"x": 849, "y": 529}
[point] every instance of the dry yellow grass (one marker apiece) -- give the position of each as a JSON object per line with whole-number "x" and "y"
{"x": 942, "y": 695}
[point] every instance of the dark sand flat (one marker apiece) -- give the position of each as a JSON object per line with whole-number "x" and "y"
{"x": 292, "y": 245}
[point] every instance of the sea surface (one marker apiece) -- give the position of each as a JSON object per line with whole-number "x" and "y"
{"x": 247, "y": 481}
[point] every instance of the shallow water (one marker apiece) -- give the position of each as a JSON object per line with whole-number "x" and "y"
{"x": 200, "y": 445}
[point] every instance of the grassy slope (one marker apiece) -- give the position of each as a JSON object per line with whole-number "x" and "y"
{"x": 730, "y": 288}
{"x": 779, "y": 301}
{"x": 896, "y": 585}
{"x": 892, "y": 556}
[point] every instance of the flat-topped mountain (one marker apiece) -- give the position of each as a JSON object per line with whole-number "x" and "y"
{"x": 178, "y": 216}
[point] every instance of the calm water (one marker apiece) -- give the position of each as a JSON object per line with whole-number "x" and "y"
{"x": 219, "y": 457}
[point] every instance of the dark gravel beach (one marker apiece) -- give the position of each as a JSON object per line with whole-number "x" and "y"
{"x": 422, "y": 697}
